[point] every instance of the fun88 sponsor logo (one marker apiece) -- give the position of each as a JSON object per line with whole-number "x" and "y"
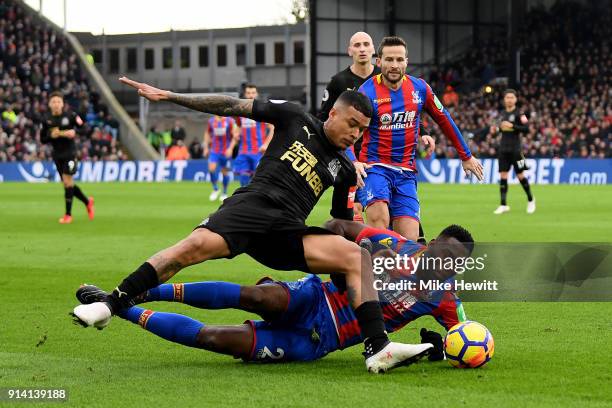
{"x": 399, "y": 120}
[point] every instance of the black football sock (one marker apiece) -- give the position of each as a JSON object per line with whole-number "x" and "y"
{"x": 370, "y": 319}
{"x": 421, "y": 239}
{"x": 68, "y": 194}
{"x": 527, "y": 188}
{"x": 503, "y": 190}
{"x": 79, "y": 194}
{"x": 141, "y": 280}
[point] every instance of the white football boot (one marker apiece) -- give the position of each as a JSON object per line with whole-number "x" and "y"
{"x": 396, "y": 354}
{"x": 222, "y": 197}
{"x": 95, "y": 314}
{"x": 501, "y": 209}
{"x": 531, "y": 207}
{"x": 214, "y": 196}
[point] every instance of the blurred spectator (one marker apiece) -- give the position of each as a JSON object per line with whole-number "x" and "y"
{"x": 111, "y": 125}
{"x": 9, "y": 115}
{"x": 163, "y": 141}
{"x": 166, "y": 140}
{"x": 195, "y": 150}
{"x": 34, "y": 61}
{"x": 566, "y": 77}
{"x": 155, "y": 138}
{"x": 178, "y": 132}
{"x": 98, "y": 145}
{"x": 178, "y": 151}
{"x": 450, "y": 97}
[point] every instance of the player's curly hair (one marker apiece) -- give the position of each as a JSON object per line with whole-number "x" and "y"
{"x": 460, "y": 234}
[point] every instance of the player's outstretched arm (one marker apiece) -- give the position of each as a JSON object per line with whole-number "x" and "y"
{"x": 221, "y": 105}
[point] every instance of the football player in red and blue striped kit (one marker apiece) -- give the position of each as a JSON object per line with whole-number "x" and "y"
{"x": 254, "y": 139}
{"x": 219, "y": 142}
{"x": 389, "y": 148}
{"x": 307, "y": 319}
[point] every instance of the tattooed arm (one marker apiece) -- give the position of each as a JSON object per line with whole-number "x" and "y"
{"x": 221, "y": 105}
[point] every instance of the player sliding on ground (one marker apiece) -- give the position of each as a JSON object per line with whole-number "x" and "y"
{"x": 266, "y": 219}
{"x": 307, "y": 319}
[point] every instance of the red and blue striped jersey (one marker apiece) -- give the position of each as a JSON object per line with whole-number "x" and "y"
{"x": 252, "y": 135}
{"x": 392, "y": 136}
{"x": 399, "y": 307}
{"x": 220, "y": 131}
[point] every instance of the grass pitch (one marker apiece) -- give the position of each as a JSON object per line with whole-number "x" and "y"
{"x": 547, "y": 354}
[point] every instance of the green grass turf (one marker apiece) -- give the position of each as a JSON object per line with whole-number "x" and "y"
{"x": 547, "y": 354}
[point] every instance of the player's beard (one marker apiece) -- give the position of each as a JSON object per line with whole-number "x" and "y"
{"x": 393, "y": 81}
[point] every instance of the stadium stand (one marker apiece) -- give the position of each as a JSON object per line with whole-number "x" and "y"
{"x": 565, "y": 76}
{"x": 566, "y": 72}
{"x": 34, "y": 61}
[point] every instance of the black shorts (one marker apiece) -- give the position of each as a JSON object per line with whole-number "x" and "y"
{"x": 514, "y": 159}
{"x": 252, "y": 223}
{"x": 67, "y": 166}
